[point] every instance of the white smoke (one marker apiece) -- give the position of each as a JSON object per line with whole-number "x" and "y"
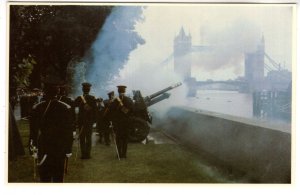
{"x": 228, "y": 45}
{"x": 148, "y": 71}
{"x": 111, "y": 49}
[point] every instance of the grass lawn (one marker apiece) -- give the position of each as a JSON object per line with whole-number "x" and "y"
{"x": 145, "y": 163}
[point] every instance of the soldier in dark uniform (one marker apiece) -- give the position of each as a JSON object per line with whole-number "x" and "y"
{"x": 121, "y": 111}
{"x": 63, "y": 97}
{"x": 86, "y": 119}
{"x": 107, "y": 116}
{"x": 51, "y": 132}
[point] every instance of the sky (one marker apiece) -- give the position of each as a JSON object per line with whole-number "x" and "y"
{"x": 231, "y": 29}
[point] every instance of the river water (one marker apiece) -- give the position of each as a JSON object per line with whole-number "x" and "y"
{"x": 225, "y": 102}
{"x": 229, "y": 102}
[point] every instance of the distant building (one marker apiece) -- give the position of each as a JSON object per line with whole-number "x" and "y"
{"x": 279, "y": 80}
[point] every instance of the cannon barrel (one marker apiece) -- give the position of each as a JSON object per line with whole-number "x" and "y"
{"x": 158, "y": 99}
{"x": 142, "y": 103}
{"x": 163, "y": 91}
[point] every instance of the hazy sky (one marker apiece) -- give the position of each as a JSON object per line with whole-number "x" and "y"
{"x": 231, "y": 29}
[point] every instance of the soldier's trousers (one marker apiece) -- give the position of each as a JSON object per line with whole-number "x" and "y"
{"x": 85, "y": 136}
{"x": 52, "y": 170}
{"x": 122, "y": 142}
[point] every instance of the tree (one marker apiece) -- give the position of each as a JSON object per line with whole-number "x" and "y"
{"x": 45, "y": 38}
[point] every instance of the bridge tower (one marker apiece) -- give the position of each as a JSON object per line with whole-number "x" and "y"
{"x": 254, "y": 67}
{"x": 182, "y": 59}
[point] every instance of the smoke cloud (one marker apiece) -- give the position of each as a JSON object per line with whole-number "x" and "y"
{"x": 227, "y": 44}
{"x": 150, "y": 69}
{"x": 110, "y": 51}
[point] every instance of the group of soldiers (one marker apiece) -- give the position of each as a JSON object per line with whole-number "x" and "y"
{"x": 53, "y": 123}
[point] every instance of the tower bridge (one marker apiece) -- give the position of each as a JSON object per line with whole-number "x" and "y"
{"x": 255, "y": 64}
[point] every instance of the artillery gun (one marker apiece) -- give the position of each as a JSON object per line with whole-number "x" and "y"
{"x": 141, "y": 117}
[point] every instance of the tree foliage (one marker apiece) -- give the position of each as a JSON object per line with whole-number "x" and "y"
{"x": 45, "y": 38}
{"x": 23, "y": 70}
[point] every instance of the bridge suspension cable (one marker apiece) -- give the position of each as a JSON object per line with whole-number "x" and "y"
{"x": 276, "y": 65}
{"x": 168, "y": 59}
{"x": 268, "y": 68}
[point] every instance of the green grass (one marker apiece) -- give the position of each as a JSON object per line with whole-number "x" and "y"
{"x": 150, "y": 163}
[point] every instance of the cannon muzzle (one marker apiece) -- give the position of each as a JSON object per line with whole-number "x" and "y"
{"x": 163, "y": 91}
{"x": 160, "y": 95}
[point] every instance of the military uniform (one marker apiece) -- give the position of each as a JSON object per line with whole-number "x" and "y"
{"x": 122, "y": 108}
{"x": 51, "y": 131}
{"x": 86, "y": 119}
{"x": 107, "y": 118}
{"x": 64, "y": 98}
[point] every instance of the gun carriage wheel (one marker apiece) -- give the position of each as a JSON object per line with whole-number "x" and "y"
{"x": 139, "y": 129}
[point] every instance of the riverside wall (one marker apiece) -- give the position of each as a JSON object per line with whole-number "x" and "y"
{"x": 260, "y": 151}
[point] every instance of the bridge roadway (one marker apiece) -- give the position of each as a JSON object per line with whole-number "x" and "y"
{"x": 234, "y": 83}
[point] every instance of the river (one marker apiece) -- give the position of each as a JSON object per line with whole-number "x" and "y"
{"x": 228, "y": 102}
{"x": 225, "y": 102}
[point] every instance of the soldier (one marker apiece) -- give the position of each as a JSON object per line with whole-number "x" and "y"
{"x": 86, "y": 119}
{"x": 51, "y": 133}
{"x": 63, "y": 97}
{"x": 107, "y": 116}
{"x": 121, "y": 111}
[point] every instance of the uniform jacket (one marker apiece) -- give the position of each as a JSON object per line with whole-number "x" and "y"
{"x": 118, "y": 114}
{"x": 70, "y": 102}
{"x": 51, "y": 128}
{"x": 84, "y": 116}
{"x": 107, "y": 114}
